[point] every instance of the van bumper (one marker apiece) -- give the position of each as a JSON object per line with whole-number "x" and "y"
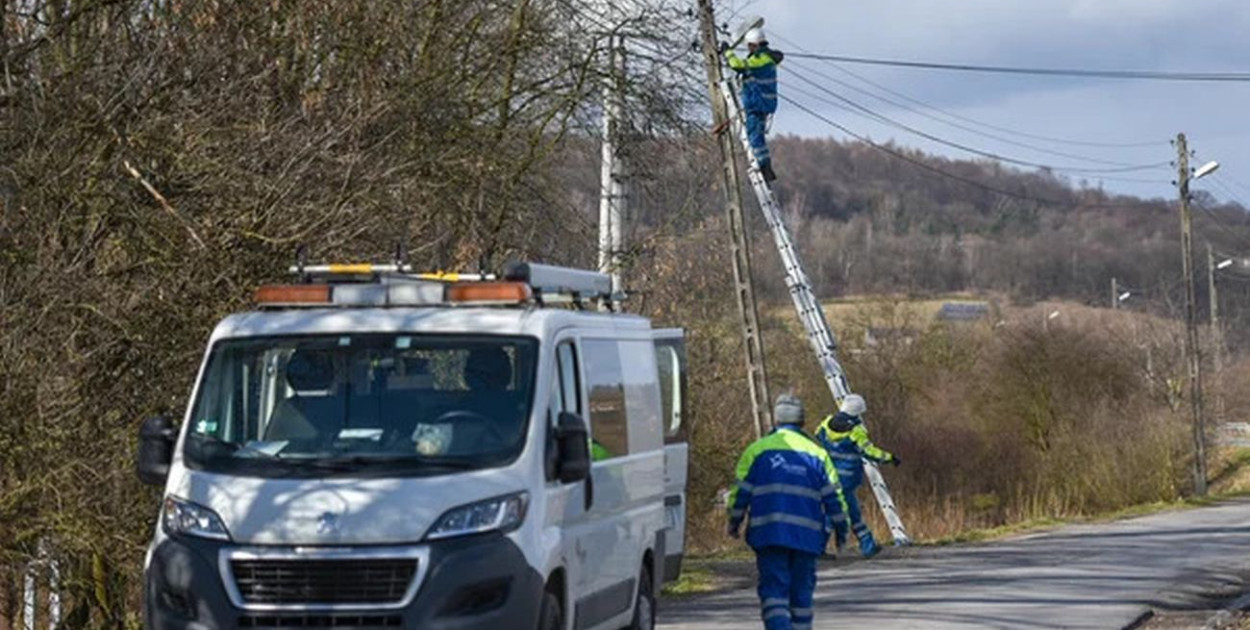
{"x": 476, "y": 582}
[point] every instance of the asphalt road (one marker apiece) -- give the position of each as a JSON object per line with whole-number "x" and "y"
{"x": 1081, "y": 576}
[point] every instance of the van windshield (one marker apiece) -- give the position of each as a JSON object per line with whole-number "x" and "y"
{"x": 370, "y": 404}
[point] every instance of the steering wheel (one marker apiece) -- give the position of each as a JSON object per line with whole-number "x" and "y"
{"x": 463, "y": 418}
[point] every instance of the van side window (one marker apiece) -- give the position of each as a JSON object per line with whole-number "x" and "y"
{"x": 642, "y": 395}
{"x": 671, "y": 360}
{"x": 605, "y": 383}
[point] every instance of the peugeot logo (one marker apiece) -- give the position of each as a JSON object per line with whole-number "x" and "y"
{"x": 328, "y": 523}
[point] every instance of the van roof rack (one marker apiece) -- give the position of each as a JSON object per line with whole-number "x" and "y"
{"x": 359, "y": 285}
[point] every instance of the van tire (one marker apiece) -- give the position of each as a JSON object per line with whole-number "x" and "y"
{"x": 551, "y": 616}
{"x": 644, "y": 603}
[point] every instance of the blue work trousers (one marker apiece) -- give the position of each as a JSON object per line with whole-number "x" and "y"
{"x": 787, "y": 581}
{"x": 757, "y": 126}
{"x": 867, "y": 544}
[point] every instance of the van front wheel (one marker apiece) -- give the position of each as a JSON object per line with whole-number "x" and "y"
{"x": 551, "y": 617}
{"x": 644, "y": 605}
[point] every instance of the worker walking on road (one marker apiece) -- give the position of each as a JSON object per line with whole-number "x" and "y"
{"x": 788, "y": 489}
{"x": 846, "y": 438}
{"x": 759, "y": 93}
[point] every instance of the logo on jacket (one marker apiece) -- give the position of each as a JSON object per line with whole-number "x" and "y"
{"x": 779, "y": 461}
{"x": 328, "y": 523}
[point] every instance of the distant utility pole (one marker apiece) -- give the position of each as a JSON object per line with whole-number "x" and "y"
{"x": 757, "y": 372}
{"x": 1115, "y": 294}
{"x": 612, "y": 193}
{"x": 1217, "y": 335}
{"x": 1191, "y": 323}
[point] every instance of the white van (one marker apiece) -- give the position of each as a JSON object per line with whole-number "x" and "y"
{"x": 377, "y": 449}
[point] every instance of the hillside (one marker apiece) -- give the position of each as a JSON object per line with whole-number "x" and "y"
{"x": 869, "y": 222}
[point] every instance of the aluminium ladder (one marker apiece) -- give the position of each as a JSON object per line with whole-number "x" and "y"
{"x": 809, "y": 310}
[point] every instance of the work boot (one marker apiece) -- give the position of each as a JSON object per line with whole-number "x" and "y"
{"x": 767, "y": 171}
{"x": 869, "y": 547}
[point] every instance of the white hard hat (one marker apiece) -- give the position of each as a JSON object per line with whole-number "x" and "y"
{"x": 854, "y": 405}
{"x": 755, "y": 36}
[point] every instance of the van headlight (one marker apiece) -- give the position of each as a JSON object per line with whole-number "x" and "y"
{"x": 187, "y": 518}
{"x": 502, "y": 514}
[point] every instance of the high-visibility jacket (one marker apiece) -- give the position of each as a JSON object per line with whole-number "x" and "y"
{"x": 846, "y": 439}
{"x": 789, "y": 488}
{"x": 759, "y": 78}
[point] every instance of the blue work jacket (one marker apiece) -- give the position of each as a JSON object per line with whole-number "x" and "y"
{"x": 759, "y": 78}
{"x": 789, "y": 488}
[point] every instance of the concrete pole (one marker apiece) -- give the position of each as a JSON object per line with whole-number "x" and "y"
{"x": 611, "y": 173}
{"x": 29, "y": 600}
{"x": 1217, "y": 336}
{"x": 1216, "y": 331}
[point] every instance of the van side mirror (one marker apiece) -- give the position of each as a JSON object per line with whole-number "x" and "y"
{"x": 156, "y": 450}
{"x": 573, "y": 440}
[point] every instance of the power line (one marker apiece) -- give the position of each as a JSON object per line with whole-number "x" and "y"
{"x": 1227, "y": 275}
{"x": 1219, "y": 223}
{"x": 1236, "y": 182}
{"x": 1232, "y": 194}
{"x": 966, "y": 119}
{"x": 1222, "y": 254}
{"x": 942, "y": 172}
{"x": 1150, "y": 75}
{"x": 963, "y": 147}
{"x": 962, "y": 126}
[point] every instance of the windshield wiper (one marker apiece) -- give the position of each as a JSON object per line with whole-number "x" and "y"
{"x": 230, "y": 448}
{"x": 355, "y": 462}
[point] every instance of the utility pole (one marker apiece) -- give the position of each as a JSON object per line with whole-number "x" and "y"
{"x": 1115, "y": 294}
{"x": 1191, "y": 323}
{"x": 1216, "y": 333}
{"x": 1217, "y": 336}
{"x": 612, "y": 172}
{"x": 757, "y": 373}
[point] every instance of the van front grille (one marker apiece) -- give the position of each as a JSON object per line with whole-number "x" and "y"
{"x": 379, "y": 581}
{"x": 339, "y": 622}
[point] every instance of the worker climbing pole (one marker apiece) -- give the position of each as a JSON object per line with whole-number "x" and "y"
{"x": 810, "y": 313}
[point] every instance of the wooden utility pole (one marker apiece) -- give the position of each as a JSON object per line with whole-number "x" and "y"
{"x": 744, "y": 290}
{"x": 1191, "y": 322}
{"x": 1115, "y": 294}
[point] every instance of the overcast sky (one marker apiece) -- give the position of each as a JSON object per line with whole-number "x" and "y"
{"x": 1166, "y": 35}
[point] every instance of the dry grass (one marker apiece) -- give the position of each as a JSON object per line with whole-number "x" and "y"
{"x": 1023, "y": 423}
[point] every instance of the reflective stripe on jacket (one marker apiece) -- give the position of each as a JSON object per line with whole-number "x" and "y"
{"x": 759, "y": 78}
{"x": 790, "y": 489}
{"x": 846, "y": 439}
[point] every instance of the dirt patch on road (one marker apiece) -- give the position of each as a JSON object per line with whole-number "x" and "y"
{"x": 1196, "y": 620}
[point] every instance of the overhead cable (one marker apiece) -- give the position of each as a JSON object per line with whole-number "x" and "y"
{"x": 1148, "y": 75}
{"x": 957, "y": 125}
{"x": 942, "y": 172}
{"x": 973, "y": 121}
{"x": 963, "y": 147}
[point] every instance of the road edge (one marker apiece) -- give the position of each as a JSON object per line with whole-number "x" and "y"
{"x": 1140, "y": 620}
